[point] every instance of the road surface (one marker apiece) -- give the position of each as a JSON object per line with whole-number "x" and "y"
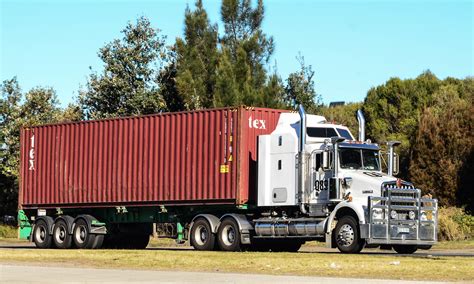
{"x": 49, "y": 274}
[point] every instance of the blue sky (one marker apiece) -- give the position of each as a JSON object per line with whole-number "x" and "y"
{"x": 351, "y": 45}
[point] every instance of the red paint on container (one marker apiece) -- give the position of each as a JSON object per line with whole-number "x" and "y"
{"x": 199, "y": 157}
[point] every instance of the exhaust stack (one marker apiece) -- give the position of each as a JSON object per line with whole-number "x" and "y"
{"x": 361, "y": 120}
{"x": 302, "y": 160}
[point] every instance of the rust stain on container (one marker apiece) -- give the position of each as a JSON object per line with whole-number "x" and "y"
{"x": 199, "y": 157}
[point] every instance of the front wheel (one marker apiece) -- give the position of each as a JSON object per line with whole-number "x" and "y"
{"x": 405, "y": 249}
{"x": 347, "y": 235}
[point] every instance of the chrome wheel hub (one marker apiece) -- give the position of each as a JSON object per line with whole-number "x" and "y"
{"x": 345, "y": 236}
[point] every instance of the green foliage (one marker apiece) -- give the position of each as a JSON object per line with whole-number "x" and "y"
{"x": 245, "y": 49}
{"x": 197, "y": 58}
{"x": 127, "y": 85}
{"x": 344, "y": 115}
{"x": 454, "y": 224}
{"x": 443, "y": 144}
{"x": 300, "y": 89}
{"x": 392, "y": 111}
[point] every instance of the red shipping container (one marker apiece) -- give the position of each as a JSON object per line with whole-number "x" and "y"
{"x": 200, "y": 157}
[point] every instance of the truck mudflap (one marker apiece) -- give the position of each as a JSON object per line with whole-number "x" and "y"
{"x": 402, "y": 216}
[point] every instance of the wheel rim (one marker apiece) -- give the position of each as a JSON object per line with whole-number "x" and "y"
{"x": 228, "y": 235}
{"x": 201, "y": 235}
{"x": 60, "y": 234}
{"x": 81, "y": 234}
{"x": 40, "y": 235}
{"x": 345, "y": 236}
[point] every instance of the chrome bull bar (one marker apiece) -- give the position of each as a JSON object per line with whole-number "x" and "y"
{"x": 402, "y": 216}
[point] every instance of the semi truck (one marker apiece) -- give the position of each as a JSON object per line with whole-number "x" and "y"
{"x": 229, "y": 179}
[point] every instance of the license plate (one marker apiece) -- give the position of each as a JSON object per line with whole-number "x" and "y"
{"x": 404, "y": 230}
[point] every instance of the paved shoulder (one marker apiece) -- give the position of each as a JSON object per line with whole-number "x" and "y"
{"x": 48, "y": 274}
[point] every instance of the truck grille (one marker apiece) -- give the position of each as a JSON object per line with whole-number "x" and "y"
{"x": 401, "y": 215}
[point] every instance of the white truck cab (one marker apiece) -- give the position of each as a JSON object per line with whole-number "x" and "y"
{"x": 332, "y": 187}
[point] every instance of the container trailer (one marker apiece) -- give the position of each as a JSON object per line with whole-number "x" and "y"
{"x": 230, "y": 179}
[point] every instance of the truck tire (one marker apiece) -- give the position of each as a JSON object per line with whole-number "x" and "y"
{"x": 347, "y": 235}
{"x": 81, "y": 236}
{"x": 41, "y": 235}
{"x": 405, "y": 249}
{"x": 201, "y": 237}
{"x": 228, "y": 235}
{"x": 61, "y": 237}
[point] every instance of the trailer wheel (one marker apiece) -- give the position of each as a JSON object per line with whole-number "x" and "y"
{"x": 201, "y": 236}
{"x": 405, "y": 249}
{"x": 41, "y": 235}
{"x": 81, "y": 236}
{"x": 61, "y": 237}
{"x": 347, "y": 235}
{"x": 228, "y": 235}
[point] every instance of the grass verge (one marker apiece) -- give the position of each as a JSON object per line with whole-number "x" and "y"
{"x": 8, "y": 231}
{"x": 309, "y": 264}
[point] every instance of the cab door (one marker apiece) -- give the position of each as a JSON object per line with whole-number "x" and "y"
{"x": 320, "y": 177}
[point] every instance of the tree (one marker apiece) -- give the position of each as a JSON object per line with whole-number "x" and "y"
{"x": 392, "y": 112}
{"x": 197, "y": 57}
{"x": 444, "y": 142}
{"x": 127, "y": 85}
{"x": 345, "y": 115}
{"x": 300, "y": 89}
{"x": 10, "y": 122}
{"x": 245, "y": 49}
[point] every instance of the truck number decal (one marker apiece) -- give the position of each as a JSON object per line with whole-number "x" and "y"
{"x": 321, "y": 185}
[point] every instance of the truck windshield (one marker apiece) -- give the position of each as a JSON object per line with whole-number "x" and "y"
{"x": 356, "y": 159}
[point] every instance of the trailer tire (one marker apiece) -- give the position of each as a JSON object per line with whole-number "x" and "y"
{"x": 228, "y": 235}
{"x": 41, "y": 235}
{"x": 201, "y": 237}
{"x": 405, "y": 249}
{"x": 81, "y": 236}
{"x": 61, "y": 237}
{"x": 347, "y": 235}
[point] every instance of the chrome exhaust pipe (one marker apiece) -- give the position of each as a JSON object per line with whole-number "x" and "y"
{"x": 361, "y": 120}
{"x": 302, "y": 159}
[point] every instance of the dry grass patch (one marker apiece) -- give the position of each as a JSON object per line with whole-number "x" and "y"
{"x": 310, "y": 264}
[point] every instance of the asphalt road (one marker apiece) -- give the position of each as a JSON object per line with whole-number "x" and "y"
{"x": 48, "y": 274}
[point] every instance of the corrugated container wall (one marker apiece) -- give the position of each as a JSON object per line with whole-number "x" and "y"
{"x": 200, "y": 157}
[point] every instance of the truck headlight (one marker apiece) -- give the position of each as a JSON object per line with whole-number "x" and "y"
{"x": 423, "y": 216}
{"x": 393, "y": 214}
{"x": 411, "y": 215}
{"x": 377, "y": 214}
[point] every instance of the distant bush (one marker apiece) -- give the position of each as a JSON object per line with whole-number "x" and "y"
{"x": 7, "y": 231}
{"x": 454, "y": 224}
